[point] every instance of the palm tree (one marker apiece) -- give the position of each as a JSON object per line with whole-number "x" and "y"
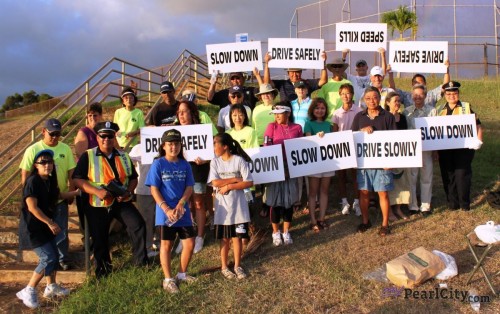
{"x": 401, "y": 20}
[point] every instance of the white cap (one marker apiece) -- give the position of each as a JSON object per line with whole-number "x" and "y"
{"x": 376, "y": 70}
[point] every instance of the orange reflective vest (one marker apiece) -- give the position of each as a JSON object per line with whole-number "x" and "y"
{"x": 100, "y": 173}
{"x": 465, "y": 109}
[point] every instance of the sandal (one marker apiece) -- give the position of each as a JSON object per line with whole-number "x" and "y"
{"x": 314, "y": 227}
{"x": 384, "y": 230}
{"x": 305, "y": 211}
{"x": 363, "y": 227}
{"x": 323, "y": 224}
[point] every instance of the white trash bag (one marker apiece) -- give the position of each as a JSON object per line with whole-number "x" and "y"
{"x": 451, "y": 269}
{"x": 488, "y": 233}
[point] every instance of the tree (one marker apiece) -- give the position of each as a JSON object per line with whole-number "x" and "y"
{"x": 30, "y": 97}
{"x": 401, "y": 20}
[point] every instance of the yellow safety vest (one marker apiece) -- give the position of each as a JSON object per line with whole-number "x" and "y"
{"x": 100, "y": 173}
{"x": 465, "y": 109}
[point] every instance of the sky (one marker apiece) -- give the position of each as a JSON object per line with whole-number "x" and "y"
{"x": 52, "y": 46}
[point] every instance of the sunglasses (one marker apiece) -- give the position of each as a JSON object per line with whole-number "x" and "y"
{"x": 45, "y": 162}
{"x": 107, "y": 136}
{"x": 235, "y": 95}
{"x": 337, "y": 66}
{"x": 235, "y": 78}
{"x": 54, "y": 134}
{"x": 167, "y": 92}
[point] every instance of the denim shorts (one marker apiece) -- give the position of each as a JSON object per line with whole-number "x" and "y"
{"x": 49, "y": 258}
{"x": 200, "y": 188}
{"x": 377, "y": 180}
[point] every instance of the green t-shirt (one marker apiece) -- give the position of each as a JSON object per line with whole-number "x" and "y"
{"x": 205, "y": 119}
{"x": 246, "y": 137}
{"x": 128, "y": 121}
{"x": 330, "y": 93}
{"x": 260, "y": 120}
{"x": 315, "y": 126}
{"x": 63, "y": 160}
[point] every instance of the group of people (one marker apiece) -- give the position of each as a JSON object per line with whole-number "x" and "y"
{"x": 171, "y": 191}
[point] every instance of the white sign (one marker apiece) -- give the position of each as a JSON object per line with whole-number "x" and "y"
{"x": 267, "y": 164}
{"x": 418, "y": 56}
{"x": 197, "y": 141}
{"x": 388, "y": 149}
{"x": 447, "y": 132}
{"x": 242, "y": 38}
{"x": 312, "y": 154}
{"x": 234, "y": 57}
{"x": 360, "y": 36}
{"x": 302, "y": 53}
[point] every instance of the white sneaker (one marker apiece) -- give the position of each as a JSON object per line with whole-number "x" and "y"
{"x": 29, "y": 297}
{"x": 170, "y": 285}
{"x": 357, "y": 209}
{"x": 277, "y": 239}
{"x": 240, "y": 273}
{"x": 425, "y": 207}
{"x": 198, "y": 244}
{"x": 287, "y": 238}
{"x": 345, "y": 208}
{"x": 178, "y": 250}
{"x": 55, "y": 290}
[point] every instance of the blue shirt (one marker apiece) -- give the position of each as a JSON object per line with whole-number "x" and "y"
{"x": 300, "y": 111}
{"x": 172, "y": 179}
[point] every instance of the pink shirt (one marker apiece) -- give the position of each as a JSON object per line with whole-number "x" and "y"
{"x": 344, "y": 118}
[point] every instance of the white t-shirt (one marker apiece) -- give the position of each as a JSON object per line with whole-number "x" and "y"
{"x": 230, "y": 209}
{"x": 142, "y": 171}
{"x": 360, "y": 83}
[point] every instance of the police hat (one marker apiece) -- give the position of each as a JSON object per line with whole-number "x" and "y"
{"x": 451, "y": 86}
{"x": 106, "y": 126}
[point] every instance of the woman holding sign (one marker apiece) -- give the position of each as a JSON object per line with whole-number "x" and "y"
{"x": 374, "y": 118}
{"x": 319, "y": 184}
{"x": 187, "y": 114}
{"x": 282, "y": 195}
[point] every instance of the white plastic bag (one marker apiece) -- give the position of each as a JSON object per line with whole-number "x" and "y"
{"x": 451, "y": 269}
{"x": 488, "y": 233}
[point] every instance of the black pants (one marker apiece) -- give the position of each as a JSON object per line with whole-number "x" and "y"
{"x": 456, "y": 172}
{"x": 99, "y": 221}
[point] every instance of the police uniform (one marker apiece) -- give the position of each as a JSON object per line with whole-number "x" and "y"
{"x": 99, "y": 169}
{"x": 456, "y": 164}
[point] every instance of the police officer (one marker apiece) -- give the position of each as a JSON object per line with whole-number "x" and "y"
{"x": 456, "y": 164}
{"x": 96, "y": 168}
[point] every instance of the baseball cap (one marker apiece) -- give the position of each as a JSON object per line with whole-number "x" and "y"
{"x": 376, "y": 70}
{"x": 166, "y": 87}
{"x": 53, "y": 125}
{"x": 172, "y": 135}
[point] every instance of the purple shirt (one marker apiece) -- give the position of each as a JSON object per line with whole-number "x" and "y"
{"x": 91, "y": 137}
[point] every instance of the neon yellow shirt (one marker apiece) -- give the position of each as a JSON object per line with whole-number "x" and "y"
{"x": 246, "y": 137}
{"x": 205, "y": 119}
{"x": 330, "y": 93}
{"x": 128, "y": 121}
{"x": 260, "y": 119}
{"x": 63, "y": 160}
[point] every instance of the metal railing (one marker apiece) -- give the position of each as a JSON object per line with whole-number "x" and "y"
{"x": 104, "y": 86}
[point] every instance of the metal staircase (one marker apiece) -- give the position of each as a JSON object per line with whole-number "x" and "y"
{"x": 104, "y": 86}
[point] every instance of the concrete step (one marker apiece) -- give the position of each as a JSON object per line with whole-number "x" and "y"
{"x": 22, "y": 272}
{"x": 13, "y": 222}
{"x": 10, "y": 253}
{"x": 10, "y": 236}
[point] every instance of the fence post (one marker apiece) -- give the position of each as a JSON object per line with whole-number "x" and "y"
{"x": 196, "y": 76}
{"x": 485, "y": 59}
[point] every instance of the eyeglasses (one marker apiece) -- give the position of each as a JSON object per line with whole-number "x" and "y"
{"x": 235, "y": 95}
{"x": 45, "y": 162}
{"x": 54, "y": 133}
{"x": 336, "y": 66}
{"x": 235, "y": 78}
{"x": 167, "y": 92}
{"x": 107, "y": 136}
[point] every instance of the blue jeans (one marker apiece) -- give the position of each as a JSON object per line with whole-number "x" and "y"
{"x": 61, "y": 219}
{"x": 378, "y": 180}
{"x": 48, "y": 258}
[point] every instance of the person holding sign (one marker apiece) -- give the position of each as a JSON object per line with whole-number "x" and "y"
{"x": 330, "y": 91}
{"x": 401, "y": 193}
{"x": 165, "y": 112}
{"x": 281, "y": 196}
{"x": 319, "y": 184}
{"x": 171, "y": 182}
{"x": 373, "y": 119}
{"x": 235, "y": 97}
{"x": 220, "y": 98}
{"x": 285, "y": 87}
{"x": 129, "y": 119}
{"x": 187, "y": 114}
{"x": 230, "y": 175}
{"x": 342, "y": 120}
{"x": 420, "y": 109}
{"x": 456, "y": 164}
{"x": 261, "y": 114}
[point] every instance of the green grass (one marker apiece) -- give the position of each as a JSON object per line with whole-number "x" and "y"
{"x": 322, "y": 273}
